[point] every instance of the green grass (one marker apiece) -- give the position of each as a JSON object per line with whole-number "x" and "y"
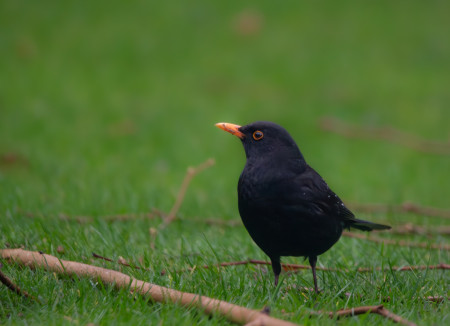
{"x": 107, "y": 103}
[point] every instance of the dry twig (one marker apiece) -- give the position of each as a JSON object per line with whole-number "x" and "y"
{"x": 224, "y": 264}
{"x": 289, "y": 267}
{"x": 108, "y": 218}
{"x": 120, "y": 261}
{"x": 397, "y": 242}
{"x": 296, "y": 267}
{"x": 396, "y": 318}
{"x": 81, "y": 219}
{"x": 217, "y": 221}
{"x": 404, "y": 229}
{"x": 438, "y": 298}
{"x": 232, "y": 312}
{"x": 380, "y": 310}
{"x": 191, "y": 172}
{"x": 13, "y": 287}
{"x": 410, "y": 228}
{"x": 406, "y": 207}
{"x": 390, "y": 134}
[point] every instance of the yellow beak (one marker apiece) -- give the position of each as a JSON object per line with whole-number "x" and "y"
{"x": 231, "y": 128}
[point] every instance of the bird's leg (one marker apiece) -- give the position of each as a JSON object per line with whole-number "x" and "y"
{"x": 312, "y": 262}
{"x": 276, "y": 267}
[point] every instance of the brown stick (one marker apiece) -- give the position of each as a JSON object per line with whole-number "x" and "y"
{"x": 357, "y": 311}
{"x": 127, "y": 217}
{"x": 401, "y": 229}
{"x": 232, "y": 312}
{"x": 89, "y": 219}
{"x": 390, "y": 134}
{"x": 380, "y": 310}
{"x": 217, "y": 221}
{"x": 349, "y": 312}
{"x": 120, "y": 261}
{"x": 224, "y": 264}
{"x": 108, "y": 218}
{"x": 396, "y": 318}
{"x": 404, "y": 229}
{"x": 407, "y": 268}
{"x": 13, "y": 287}
{"x": 101, "y": 257}
{"x": 406, "y": 207}
{"x": 191, "y": 172}
{"x": 295, "y": 267}
{"x": 410, "y": 228}
{"x": 437, "y": 298}
{"x": 286, "y": 267}
{"x": 397, "y": 243}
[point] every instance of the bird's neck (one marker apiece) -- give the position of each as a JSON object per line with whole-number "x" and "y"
{"x": 272, "y": 169}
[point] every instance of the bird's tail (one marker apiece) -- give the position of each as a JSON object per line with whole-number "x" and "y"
{"x": 366, "y": 225}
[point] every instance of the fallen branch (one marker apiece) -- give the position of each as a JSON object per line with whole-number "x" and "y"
{"x": 13, "y": 287}
{"x": 120, "y": 261}
{"x": 396, "y": 318}
{"x": 155, "y": 213}
{"x": 225, "y": 264}
{"x": 397, "y": 242}
{"x": 380, "y": 310}
{"x": 406, "y": 207}
{"x": 191, "y": 172}
{"x": 288, "y": 267}
{"x": 295, "y": 267}
{"x": 217, "y": 221}
{"x": 410, "y": 228}
{"x": 81, "y": 219}
{"x": 438, "y": 298}
{"x": 210, "y": 306}
{"x": 108, "y": 218}
{"x": 389, "y": 134}
{"x": 408, "y": 268}
{"x": 354, "y": 311}
{"x": 404, "y": 229}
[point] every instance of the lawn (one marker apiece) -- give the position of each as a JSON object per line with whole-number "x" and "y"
{"x": 104, "y": 105}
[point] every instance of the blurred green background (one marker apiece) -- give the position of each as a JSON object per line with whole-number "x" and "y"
{"x": 102, "y": 96}
{"x": 104, "y": 104}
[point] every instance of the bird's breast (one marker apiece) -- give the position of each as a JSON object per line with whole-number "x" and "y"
{"x": 254, "y": 185}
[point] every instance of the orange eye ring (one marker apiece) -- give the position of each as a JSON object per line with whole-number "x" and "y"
{"x": 257, "y": 135}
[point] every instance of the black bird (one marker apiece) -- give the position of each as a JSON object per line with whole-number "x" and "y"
{"x": 286, "y": 206}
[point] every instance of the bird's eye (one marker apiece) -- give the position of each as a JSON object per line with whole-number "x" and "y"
{"x": 257, "y": 135}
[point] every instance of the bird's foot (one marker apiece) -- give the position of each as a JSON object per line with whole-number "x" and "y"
{"x": 276, "y": 280}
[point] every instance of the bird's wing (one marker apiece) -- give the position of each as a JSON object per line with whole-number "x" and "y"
{"x": 314, "y": 194}
{"x": 306, "y": 196}
{"x": 307, "y": 193}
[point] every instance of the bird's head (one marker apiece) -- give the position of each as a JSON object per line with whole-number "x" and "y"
{"x": 263, "y": 139}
